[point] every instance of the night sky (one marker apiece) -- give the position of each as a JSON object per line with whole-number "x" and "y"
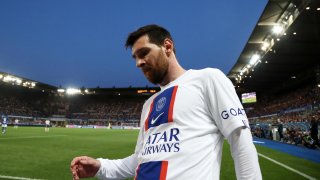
{"x": 75, "y": 43}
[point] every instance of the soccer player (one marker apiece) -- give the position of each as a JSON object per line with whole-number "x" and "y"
{"x": 109, "y": 126}
{"x": 47, "y": 125}
{"x": 314, "y": 131}
{"x": 183, "y": 126}
{"x": 16, "y": 123}
{"x": 4, "y": 123}
{"x": 280, "y": 130}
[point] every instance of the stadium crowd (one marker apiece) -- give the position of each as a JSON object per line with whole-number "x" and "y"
{"x": 33, "y": 107}
{"x": 296, "y": 111}
{"x": 300, "y": 99}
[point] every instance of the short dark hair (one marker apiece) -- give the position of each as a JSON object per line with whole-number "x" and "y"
{"x": 156, "y": 34}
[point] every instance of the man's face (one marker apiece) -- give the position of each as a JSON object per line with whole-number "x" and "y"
{"x": 151, "y": 59}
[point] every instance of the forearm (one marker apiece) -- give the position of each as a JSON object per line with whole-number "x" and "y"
{"x": 244, "y": 154}
{"x": 117, "y": 169}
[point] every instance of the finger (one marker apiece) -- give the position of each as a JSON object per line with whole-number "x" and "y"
{"x": 74, "y": 168}
{"x": 75, "y": 175}
{"x": 77, "y": 159}
{"x": 74, "y": 161}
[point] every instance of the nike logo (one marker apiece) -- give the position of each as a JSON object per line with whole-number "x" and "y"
{"x": 154, "y": 120}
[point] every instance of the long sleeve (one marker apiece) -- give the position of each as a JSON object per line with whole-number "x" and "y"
{"x": 244, "y": 155}
{"x": 117, "y": 169}
{"x": 121, "y": 168}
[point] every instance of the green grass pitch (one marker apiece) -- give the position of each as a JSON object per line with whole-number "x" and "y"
{"x": 30, "y": 152}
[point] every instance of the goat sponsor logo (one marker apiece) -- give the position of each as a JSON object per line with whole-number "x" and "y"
{"x": 232, "y": 112}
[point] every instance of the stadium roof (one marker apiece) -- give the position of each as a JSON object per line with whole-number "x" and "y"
{"x": 283, "y": 47}
{"x": 24, "y": 82}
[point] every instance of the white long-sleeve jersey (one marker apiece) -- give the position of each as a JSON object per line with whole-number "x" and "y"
{"x": 182, "y": 132}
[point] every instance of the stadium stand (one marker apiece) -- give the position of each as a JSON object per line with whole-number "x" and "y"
{"x": 280, "y": 63}
{"x": 33, "y": 106}
{"x": 295, "y": 110}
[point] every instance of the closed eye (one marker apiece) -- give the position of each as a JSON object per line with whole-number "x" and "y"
{"x": 141, "y": 53}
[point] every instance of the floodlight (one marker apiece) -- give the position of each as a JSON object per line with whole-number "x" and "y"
{"x": 73, "y": 91}
{"x": 265, "y": 46}
{"x": 254, "y": 59}
{"x": 277, "y": 29}
{"x": 7, "y": 78}
{"x": 19, "y": 81}
{"x": 61, "y": 90}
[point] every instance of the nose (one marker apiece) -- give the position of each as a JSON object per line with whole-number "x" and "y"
{"x": 140, "y": 63}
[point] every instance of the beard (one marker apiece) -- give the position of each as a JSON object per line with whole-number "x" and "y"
{"x": 158, "y": 70}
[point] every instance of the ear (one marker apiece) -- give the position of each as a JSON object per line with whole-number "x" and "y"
{"x": 168, "y": 45}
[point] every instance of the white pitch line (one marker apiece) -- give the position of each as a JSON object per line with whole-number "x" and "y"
{"x": 259, "y": 142}
{"x": 31, "y": 137}
{"x": 18, "y": 178}
{"x": 287, "y": 167}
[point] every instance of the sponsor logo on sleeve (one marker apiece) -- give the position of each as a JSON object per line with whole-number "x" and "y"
{"x": 232, "y": 112}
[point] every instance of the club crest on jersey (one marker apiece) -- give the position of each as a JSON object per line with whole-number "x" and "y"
{"x": 161, "y": 109}
{"x": 161, "y": 103}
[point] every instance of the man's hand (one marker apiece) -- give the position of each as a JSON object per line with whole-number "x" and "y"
{"x": 83, "y": 167}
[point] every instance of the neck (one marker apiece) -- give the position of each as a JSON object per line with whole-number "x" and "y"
{"x": 174, "y": 72}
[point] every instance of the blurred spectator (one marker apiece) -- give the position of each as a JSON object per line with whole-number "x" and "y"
{"x": 314, "y": 131}
{"x": 280, "y": 129}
